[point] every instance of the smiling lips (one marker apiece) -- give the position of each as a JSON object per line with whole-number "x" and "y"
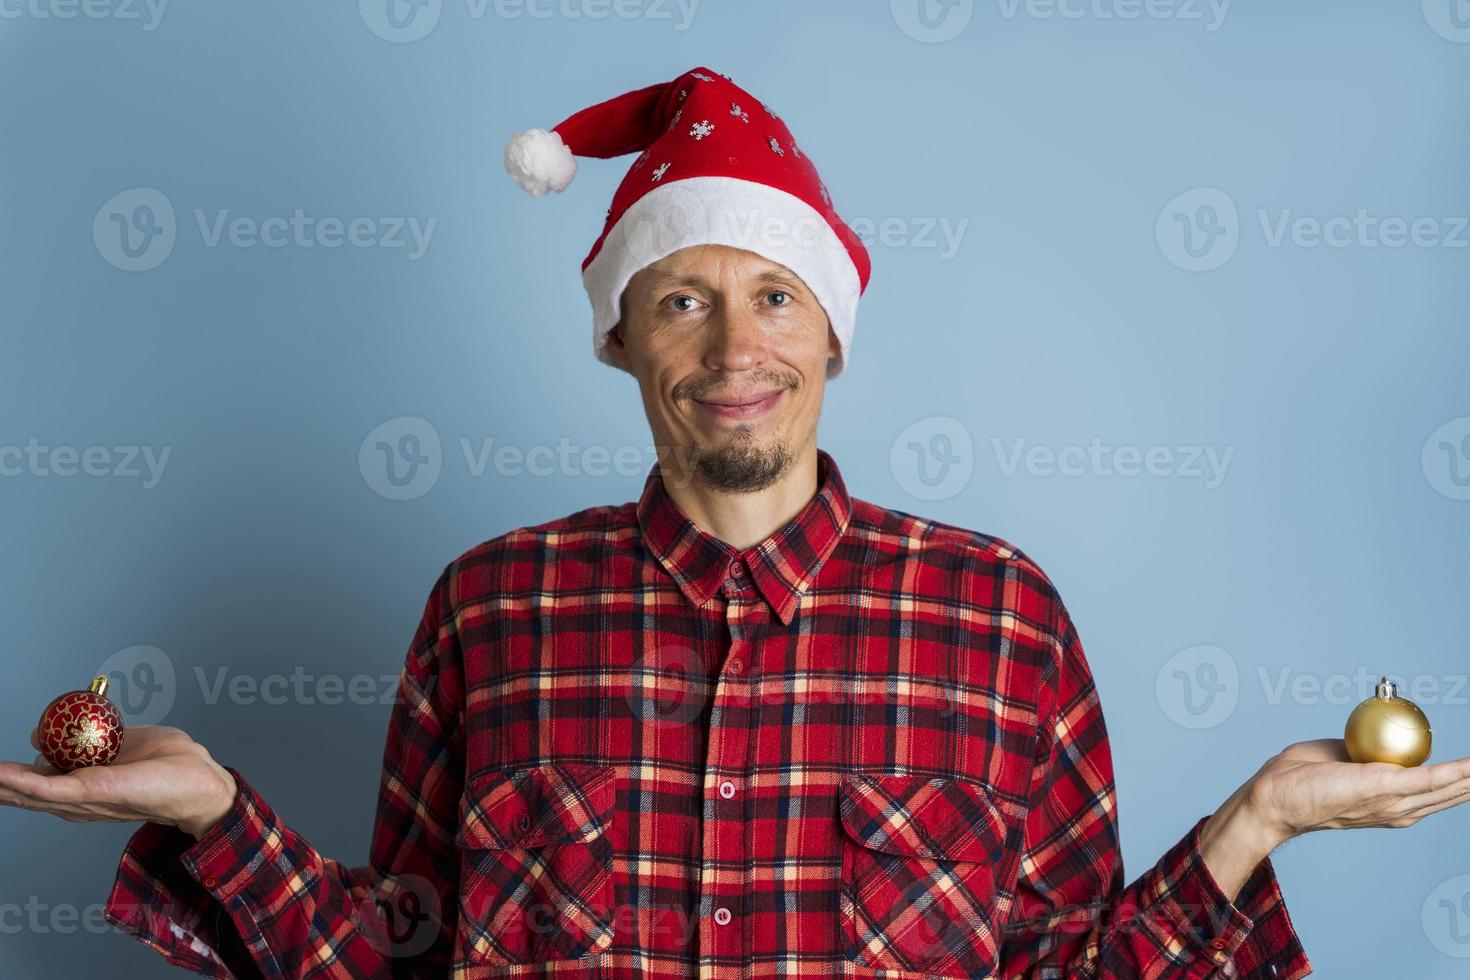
{"x": 741, "y": 407}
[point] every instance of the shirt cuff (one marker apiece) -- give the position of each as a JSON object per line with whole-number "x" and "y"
{"x": 154, "y": 900}
{"x": 1251, "y": 938}
{"x": 223, "y": 858}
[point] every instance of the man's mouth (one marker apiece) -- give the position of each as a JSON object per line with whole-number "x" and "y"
{"x": 741, "y": 407}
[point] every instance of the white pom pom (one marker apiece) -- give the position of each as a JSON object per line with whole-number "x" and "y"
{"x": 540, "y": 161}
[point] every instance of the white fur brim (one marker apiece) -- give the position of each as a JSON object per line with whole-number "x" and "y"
{"x": 729, "y": 211}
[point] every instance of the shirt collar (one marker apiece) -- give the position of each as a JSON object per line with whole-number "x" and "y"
{"x": 782, "y": 566}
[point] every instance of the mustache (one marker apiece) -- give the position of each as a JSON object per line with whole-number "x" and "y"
{"x": 699, "y": 388}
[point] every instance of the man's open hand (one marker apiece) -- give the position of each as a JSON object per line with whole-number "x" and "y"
{"x": 1313, "y": 785}
{"x": 161, "y": 774}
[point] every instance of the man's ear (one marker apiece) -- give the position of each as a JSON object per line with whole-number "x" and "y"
{"x": 834, "y": 346}
{"x": 616, "y": 349}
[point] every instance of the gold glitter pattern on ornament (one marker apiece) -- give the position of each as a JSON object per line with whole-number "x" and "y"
{"x": 86, "y": 737}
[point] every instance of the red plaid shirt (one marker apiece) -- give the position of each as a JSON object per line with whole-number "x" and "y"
{"x": 623, "y": 748}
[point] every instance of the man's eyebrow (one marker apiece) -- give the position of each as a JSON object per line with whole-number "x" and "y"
{"x": 665, "y": 279}
{"x": 662, "y": 279}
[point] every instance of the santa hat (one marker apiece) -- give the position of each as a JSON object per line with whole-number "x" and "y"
{"x": 717, "y": 167}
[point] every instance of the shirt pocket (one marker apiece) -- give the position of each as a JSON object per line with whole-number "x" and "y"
{"x": 917, "y": 889}
{"x": 536, "y": 880}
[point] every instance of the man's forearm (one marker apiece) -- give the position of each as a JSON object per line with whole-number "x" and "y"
{"x": 1234, "y": 840}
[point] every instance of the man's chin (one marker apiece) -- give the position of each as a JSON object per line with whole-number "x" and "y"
{"x": 739, "y": 465}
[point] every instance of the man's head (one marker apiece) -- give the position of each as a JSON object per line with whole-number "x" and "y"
{"x": 724, "y": 279}
{"x": 730, "y": 351}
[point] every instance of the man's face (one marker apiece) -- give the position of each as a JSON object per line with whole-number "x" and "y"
{"x": 730, "y": 351}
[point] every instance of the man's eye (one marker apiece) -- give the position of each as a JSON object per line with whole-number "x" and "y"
{"x": 682, "y": 309}
{"x": 778, "y": 292}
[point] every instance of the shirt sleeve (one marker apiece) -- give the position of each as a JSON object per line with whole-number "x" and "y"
{"x": 1073, "y": 917}
{"x": 252, "y": 898}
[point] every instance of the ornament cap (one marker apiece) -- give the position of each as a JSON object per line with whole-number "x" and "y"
{"x": 1386, "y": 689}
{"x": 99, "y": 685}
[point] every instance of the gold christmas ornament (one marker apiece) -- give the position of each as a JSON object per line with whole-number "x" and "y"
{"x": 1388, "y": 728}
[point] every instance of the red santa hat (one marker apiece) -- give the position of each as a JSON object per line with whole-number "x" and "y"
{"x": 717, "y": 167}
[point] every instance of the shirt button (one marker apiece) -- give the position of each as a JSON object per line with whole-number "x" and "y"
{"x": 1218, "y": 943}
{"x": 737, "y": 568}
{"x": 209, "y": 881}
{"x": 736, "y": 666}
{"x": 722, "y": 915}
{"x": 727, "y": 789}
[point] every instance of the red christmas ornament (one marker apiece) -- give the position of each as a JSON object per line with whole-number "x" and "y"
{"x": 81, "y": 728}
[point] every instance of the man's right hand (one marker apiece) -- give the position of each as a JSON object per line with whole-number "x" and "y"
{"x": 161, "y": 774}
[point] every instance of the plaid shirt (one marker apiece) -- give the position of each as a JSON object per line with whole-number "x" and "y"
{"x": 868, "y": 746}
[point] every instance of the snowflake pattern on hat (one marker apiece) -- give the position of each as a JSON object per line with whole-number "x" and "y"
{"x": 739, "y": 113}
{"x": 776, "y": 146}
{"x": 702, "y": 129}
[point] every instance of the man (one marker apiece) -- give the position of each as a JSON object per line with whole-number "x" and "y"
{"x": 746, "y": 726}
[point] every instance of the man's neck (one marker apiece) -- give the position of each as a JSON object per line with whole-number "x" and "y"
{"x": 745, "y": 519}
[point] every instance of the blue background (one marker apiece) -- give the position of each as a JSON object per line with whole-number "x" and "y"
{"x": 1334, "y": 548}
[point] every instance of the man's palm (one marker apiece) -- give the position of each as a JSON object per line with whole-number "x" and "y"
{"x": 1314, "y": 785}
{"x": 161, "y": 774}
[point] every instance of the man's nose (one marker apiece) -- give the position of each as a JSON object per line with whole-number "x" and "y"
{"x": 737, "y": 340}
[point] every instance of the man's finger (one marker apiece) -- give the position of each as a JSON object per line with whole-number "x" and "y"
{"x": 36, "y": 739}
{"x": 1319, "y": 749}
{"x": 25, "y": 780}
{"x": 79, "y": 791}
{"x": 1413, "y": 781}
{"x": 1442, "y": 774}
{"x": 89, "y": 811}
{"x": 1452, "y": 795}
{"x": 24, "y": 802}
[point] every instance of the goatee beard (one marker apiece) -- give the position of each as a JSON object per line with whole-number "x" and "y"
{"x": 742, "y": 467}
